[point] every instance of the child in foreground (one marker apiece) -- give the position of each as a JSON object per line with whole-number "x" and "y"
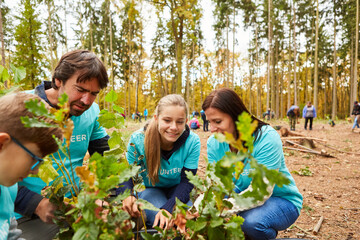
{"x": 21, "y": 153}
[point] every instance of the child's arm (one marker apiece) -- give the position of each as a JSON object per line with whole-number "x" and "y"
{"x": 182, "y": 191}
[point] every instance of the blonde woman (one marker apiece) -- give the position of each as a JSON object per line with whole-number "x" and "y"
{"x": 169, "y": 149}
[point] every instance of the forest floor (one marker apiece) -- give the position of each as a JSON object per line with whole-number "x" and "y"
{"x": 333, "y": 189}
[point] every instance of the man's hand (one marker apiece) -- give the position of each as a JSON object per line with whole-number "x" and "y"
{"x": 163, "y": 221}
{"x": 131, "y": 207}
{"x": 45, "y": 210}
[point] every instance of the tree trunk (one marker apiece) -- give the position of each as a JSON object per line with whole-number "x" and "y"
{"x": 316, "y": 57}
{"x": 65, "y": 22}
{"x": 233, "y": 51}
{"x": 282, "y": 87}
{"x": 258, "y": 95}
{"x": 269, "y": 55}
{"x": 295, "y": 60}
{"x": 227, "y": 52}
{"x": 111, "y": 49}
{"x": 355, "y": 88}
{"x": 258, "y": 98}
{"x": 334, "y": 103}
{"x": 289, "y": 70}
{"x": 251, "y": 67}
{"x": 188, "y": 79}
{"x": 129, "y": 72}
{"x": 2, "y": 39}
{"x": 51, "y": 40}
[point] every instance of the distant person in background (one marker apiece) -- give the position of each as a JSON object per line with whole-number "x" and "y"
{"x": 133, "y": 116}
{"x": 356, "y": 113}
{"x": 194, "y": 123}
{"x": 206, "y": 122}
{"x": 138, "y": 116}
{"x": 309, "y": 113}
{"x": 195, "y": 113}
{"x": 268, "y": 113}
{"x": 293, "y": 114}
{"x": 145, "y": 113}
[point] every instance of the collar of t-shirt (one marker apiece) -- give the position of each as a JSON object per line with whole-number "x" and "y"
{"x": 40, "y": 91}
{"x": 181, "y": 140}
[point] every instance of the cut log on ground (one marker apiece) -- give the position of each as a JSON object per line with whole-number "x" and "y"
{"x": 284, "y": 132}
{"x": 297, "y": 138}
{"x": 307, "y": 150}
{"x": 325, "y": 145}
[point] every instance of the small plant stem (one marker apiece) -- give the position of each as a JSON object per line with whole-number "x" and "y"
{"x": 68, "y": 174}
{"x": 60, "y": 167}
{"x": 72, "y": 170}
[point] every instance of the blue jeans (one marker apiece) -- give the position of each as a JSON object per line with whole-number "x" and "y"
{"x": 356, "y": 124}
{"x": 265, "y": 221}
{"x": 158, "y": 197}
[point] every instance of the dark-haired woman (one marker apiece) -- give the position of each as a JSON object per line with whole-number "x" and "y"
{"x": 283, "y": 207}
{"x": 169, "y": 149}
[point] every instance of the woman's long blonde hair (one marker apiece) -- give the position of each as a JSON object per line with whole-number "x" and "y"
{"x": 153, "y": 138}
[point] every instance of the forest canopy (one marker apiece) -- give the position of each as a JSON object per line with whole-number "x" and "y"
{"x": 298, "y": 51}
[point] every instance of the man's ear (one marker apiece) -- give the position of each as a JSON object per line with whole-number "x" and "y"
{"x": 4, "y": 139}
{"x": 58, "y": 82}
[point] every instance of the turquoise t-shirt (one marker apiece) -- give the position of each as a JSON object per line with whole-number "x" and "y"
{"x": 7, "y": 200}
{"x": 86, "y": 129}
{"x": 170, "y": 171}
{"x": 267, "y": 151}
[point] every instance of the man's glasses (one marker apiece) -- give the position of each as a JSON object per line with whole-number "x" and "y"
{"x": 39, "y": 160}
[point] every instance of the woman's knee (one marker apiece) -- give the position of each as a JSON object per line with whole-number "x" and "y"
{"x": 254, "y": 229}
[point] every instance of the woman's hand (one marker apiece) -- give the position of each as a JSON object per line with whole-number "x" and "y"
{"x": 164, "y": 222}
{"x": 129, "y": 205}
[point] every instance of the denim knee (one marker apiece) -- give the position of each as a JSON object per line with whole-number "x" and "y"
{"x": 157, "y": 198}
{"x": 254, "y": 229}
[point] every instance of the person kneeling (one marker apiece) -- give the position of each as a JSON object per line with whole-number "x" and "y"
{"x": 169, "y": 149}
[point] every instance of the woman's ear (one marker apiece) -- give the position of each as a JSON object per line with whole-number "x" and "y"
{"x": 155, "y": 117}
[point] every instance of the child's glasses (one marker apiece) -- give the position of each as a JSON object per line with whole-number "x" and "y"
{"x": 39, "y": 160}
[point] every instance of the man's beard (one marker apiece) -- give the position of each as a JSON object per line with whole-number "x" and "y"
{"x": 78, "y": 112}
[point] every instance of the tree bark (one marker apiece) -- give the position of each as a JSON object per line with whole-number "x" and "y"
{"x": 295, "y": 61}
{"x": 269, "y": 55}
{"x": 233, "y": 51}
{"x": 2, "y": 39}
{"x": 316, "y": 57}
{"x": 65, "y": 22}
{"x": 51, "y": 40}
{"x": 355, "y": 88}
{"x": 334, "y": 102}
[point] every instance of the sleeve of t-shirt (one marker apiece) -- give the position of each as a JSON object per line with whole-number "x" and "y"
{"x": 192, "y": 161}
{"x": 211, "y": 150}
{"x": 182, "y": 191}
{"x": 98, "y": 131}
{"x": 314, "y": 112}
{"x": 131, "y": 149}
{"x": 304, "y": 112}
{"x": 27, "y": 201}
{"x": 269, "y": 150}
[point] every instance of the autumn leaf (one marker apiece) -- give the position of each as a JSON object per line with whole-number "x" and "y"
{"x": 85, "y": 175}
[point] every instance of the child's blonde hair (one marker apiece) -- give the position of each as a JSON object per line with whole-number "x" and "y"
{"x": 12, "y": 107}
{"x": 152, "y": 135}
